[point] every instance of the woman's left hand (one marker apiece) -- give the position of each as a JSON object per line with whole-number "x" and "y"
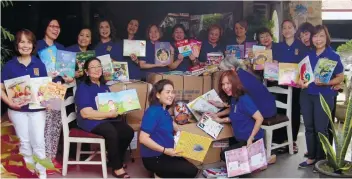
{"x": 318, "y": 83}
{"x": 249, "y": 141}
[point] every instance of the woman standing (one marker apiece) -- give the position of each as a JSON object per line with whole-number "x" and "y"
{"x": 212, "y": 44}
{"x": 107, "y": 37}
{"x": 52, "y": 31}
{"x": 240, "y": 37}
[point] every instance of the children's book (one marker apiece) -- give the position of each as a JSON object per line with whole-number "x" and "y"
{"x": 195, "y": 46}
{"x": 248, "y": 47}
{"x": 305, "y": 70}
{"x": 106, "y": 63}
{"x": 258, "y": 47}
{"x": 123, "y": 101}
{"x": 245, "y": 160}
{"x": 288, "y": 74}
{"x": 193, "y": 146}
{"x": 271, "y": 71}
{"x": 54, "y": 94}
{"x": 182, "y": 114}
{"x": 121, "y": 72}
{"x": 260, "y": 57}
{"x": 162, "y": 53}
{"x": 48, "y": 57}
{"x": 184, "y": 47}
{"x": 215, "y": 172}
{"x": 38, "y": 87}
{"x": 235, "y": 51}
{"x": 82, "y": 57}
{"x": 209, "y": 126}
{"x": 66, "y": 63}
{"x": 323, "y": 70}
{"x": 214, "y": 58}
{"x": 137, "y": 47}
{"x": 19, "y": 90}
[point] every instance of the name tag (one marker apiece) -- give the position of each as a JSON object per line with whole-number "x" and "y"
{"x": 296, "y": 51}
{"x": 36, "y": 71}
{"x": 108, "y": 48}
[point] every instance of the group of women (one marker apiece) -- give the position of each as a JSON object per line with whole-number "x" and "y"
{"x": 248, "y": 100}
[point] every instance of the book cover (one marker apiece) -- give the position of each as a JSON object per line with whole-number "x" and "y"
{"x": 82, "y": 57}
{"x": 195, "y": 46}
{"x": 66, "y": 63}
{"x": 305, "y": 70}
{"x": 248, "y": 47}
{"x": 19, "y": 90}
{"x": 271, "y": 71}
{"x": 258, "y": 47}
{"x": 235, "y": 51}
{"x": 257, "y": 155}
{"x": 215, "y": 172}
{"x": 48, "y": 57}
{"x": 162, "y": 53}
{"x": 214, "y": 58}
{"x": 124, "y": 101}
{"x": 193, "y": 146}
{"x": 209, "y": 126}
{"x": 260, "y": 57}
{"x": 121, "y": 72}
{"x": 184, "y": 47}
{"x": 136, "y": 47}
{"x": 54, "y": 91}
{"x": 182, "y": 114}
{"x": 288, "y": 74}
{"x": 38, "y": 86}
{"x": 106, "y": 64}
{"x": 324, "y": 69}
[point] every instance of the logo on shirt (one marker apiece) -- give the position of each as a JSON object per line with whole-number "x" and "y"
{"x": 296, "y": 51}
{"x": 36, "y": 71}
{"x": 108, "y": 48}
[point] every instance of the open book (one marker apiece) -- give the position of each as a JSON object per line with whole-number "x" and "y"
{"x": 209, "y": 126}
{"x": 245, "y": 160}
{"x": 124, "y": 101}
{"x": 136, "y": 47}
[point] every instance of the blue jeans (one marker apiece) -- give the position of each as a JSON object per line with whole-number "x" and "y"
{"x": 315, "y": 121}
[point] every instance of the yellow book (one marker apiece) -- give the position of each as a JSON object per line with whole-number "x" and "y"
{"x": 193, "y": 146}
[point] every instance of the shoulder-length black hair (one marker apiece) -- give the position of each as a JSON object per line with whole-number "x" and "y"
{"x": 86, "y": 78}
{"x": 158, "y": 87}
{"x": 181, "y": 26}
{"x": 112, "y": 29}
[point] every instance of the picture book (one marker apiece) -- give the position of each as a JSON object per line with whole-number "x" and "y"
{"x": 65, "y": 63}
{"x": 122, "y": 101}
{"x": 19, "y": 90}
{"x": 54, "y": 91}
{"x": 271, "y": 71}
{"x": 214, "y": 58}
{"x": 106, "y": 64}
{"x": 260, "y": 57}
{"x": 323, "y": 70}
{"x": 215, "y": 172}
{"x": 184, "y": 47}
{"x": 235, "y": 51}
{"x": 193, "y": 146}
{"x": 162, "y": 53}
{"x": 209, "y": 126}
{"x": 195, "y": 46}
{"x": 48, "y": 57}
{"x": 258, "y": 47}
{"x": 201, "y": 104}
{"x": 248, "y": 47}
{"x": 181, "y": 112}
{"x": 288, "y": 74}
{"x": 82, "y": 57}
{"x": 121, "y": 72}
{"x": 245, "y": 160}
{"x": 38, "y": 86}
{"x": 305, "y": 70}
{"x": 137, "y": 47}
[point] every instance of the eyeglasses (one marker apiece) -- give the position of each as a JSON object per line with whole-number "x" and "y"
{"x": 95, "y": 68}
{"x": 54, "y": 26}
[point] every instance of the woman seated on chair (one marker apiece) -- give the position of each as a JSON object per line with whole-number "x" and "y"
{"x": 157, "y": 136}
{"x": 117, "y": 134}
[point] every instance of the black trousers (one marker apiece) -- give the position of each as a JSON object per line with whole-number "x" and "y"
{"x": 170, "y": 167}
{"x": 118, "y": 136}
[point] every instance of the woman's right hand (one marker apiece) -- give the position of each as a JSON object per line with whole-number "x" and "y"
{"x": 14, "y": 106}
{"x": 180, "y": 57}
{"x": 171, "y": 152}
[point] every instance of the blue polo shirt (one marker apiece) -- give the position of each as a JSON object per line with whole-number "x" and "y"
{"x": 157, "y": 122}
{"x": 240, "y": 115}
{"x": 291, "y": 54}
{"x": 14, "y": 69}
{"x": 73, "y": 48}
{"x": 185, "y": 64}
{"x": 232, "y": 41}
{"x": 331, "y": 55}
{"x": 150, "y": 59}
{"x": 262, "y": 98}
{"x": 41, "y": 44}
{"x": 85, "y": 97}
{"x": 208, "y": 48}
{"x": 135, "y": 72}
{"x": 105, "y": 48}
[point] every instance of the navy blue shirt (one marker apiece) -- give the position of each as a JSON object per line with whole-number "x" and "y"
{"x": 262, "y": 98}
{"x": 240, "y": 115}
{"x": 107, "y": 48}
{"x": 233, "y": 41}
{"x": 85, "y": 97}
{"x": 135, "y": 72}
{"x": 208, "y": 48}
{"x": 73, "y": 48}
{"x": 331, "y": 55}
{"x": 14, "y": 69}
{"x": 157, "y": 122}
{"x": 185, "y": 64}
{"x": 291, "y": 54}
{"x": 150, "y": 59}
{"x": 41, "y": 44}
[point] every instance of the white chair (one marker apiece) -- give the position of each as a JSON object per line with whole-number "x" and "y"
{"x": 79, "y": 136}
{"x": 279, "y": 121}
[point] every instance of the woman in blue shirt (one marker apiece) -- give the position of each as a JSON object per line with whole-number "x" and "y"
{"x": 315, "y": 119}
{"x": 157, "y": 136}
{"x": 240, "y": 37}
{"x": 29, "y": 124}
{"x": 304, "y": 33}
{"x": 212, "y": 44}
{"x": 52, "y": 31}
{"x": 117, "y": 134}
{"x": 106, "y": 44}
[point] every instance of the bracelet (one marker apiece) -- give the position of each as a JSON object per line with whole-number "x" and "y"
{"x": 164, "y": 150}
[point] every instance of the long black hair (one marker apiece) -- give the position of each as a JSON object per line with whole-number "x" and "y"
{"x": 158, "y": 87}
{"x": 86, "y": 78}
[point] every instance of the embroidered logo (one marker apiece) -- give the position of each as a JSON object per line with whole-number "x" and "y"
{"x": 36, "y": 71}
{"x": 108, "y": 48}
{"x": 296, "y": 51}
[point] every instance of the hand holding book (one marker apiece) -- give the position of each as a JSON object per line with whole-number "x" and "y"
{"x": 172, "y": 152}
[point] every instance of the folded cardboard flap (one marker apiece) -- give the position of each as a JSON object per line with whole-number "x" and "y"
{"x": 215, "y": 80}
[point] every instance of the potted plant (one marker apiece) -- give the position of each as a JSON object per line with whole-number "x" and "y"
{"x": 335, "y": 164}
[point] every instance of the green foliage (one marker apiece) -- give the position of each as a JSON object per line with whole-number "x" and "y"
{"x": 6, "y": 3}
{"x": 210, "y": 19}
{"x": 255, "y": 22}
{"x": 342, "y": 139}
{"x": 5, "y": 35}
{"x": 346, "y": 47}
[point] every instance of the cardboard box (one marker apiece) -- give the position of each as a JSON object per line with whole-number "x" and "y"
{"x": 213, "y": 154}
{"x": 135, "y": 152}
{"x": 215, "y": 80}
